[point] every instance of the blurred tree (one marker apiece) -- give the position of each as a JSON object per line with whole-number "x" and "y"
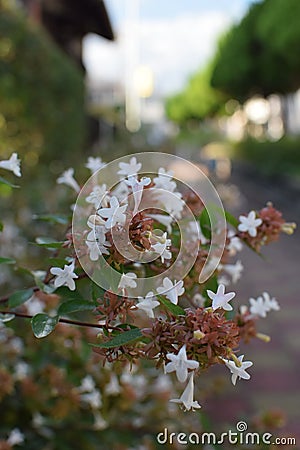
{"x": 198, "y": 100}
{"x": 41, "y": 93}
{"x": 259, "y": 55}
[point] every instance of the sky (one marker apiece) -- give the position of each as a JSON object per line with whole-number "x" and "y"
{"x": 173, "y": 38}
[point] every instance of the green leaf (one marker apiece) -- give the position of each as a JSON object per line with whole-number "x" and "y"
{"x": 97, "y": 292}
{"x": 19, "y": 297}
{"x": 7, "y": 260}
{"x": 48, "y": 242}
{"x": 231, "y": 219}
{"x": 174, "y": 309}
{"x": 1, "y": 226}
{"x": 6, "y": 317}
{"x": 205, "y": 224}
{"x": 7, "y": 183}
{"x": 42, "y": 325}
{"x": 121, "y": 339}
{"x": 65, "y": 293}
{"x": 52, "y": 218}
{"x": 72, "y": 306}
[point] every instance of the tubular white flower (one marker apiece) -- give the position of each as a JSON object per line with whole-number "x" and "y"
{"x": 258, "y": 307}
{"x": 68, "y": 179}
{"x": 187, "y": 397}
{"x": 94, "y": 164}
{"x": 114, "y": 214}
{"x": 180, "y": 364}
{"x": 65, "y": 276}
{"x": 147, "y": 304}
{"x": 249, "y": 223}
{"x": 137, "y": 189}
{"x": 128, "y": 281}
{"x": 98, "y": 196}
{"x": 271, "y": 304}
{"x": 235, "y": 244}
{"x": 130, "y": 168}
{"x": 12, "y": 164}
{"x": 163, "y": 248}
{"x": 238, "y": 372}
{"x": 164, "y": 220}
{"x": 164, "y": 180}
{"x": 234, "y": 270}
{"x": 220, "y": 299}
{"x": 15, "y": 437}
{"x": 171, "y": 290}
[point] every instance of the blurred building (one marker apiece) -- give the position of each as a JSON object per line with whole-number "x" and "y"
{"x": 68, "y": 21}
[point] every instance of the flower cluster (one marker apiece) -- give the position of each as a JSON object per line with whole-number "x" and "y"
{"x": 135, "y": 228}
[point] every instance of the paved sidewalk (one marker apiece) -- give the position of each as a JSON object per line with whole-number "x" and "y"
{"x": 275, "y": 382}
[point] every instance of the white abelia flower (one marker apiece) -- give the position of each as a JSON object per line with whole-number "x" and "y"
{"x": 113, "y": 387}
{"x": 164, "y": 180}
{"x": 220, "y": 299}
{"x": 131, "y": 168}
{"x": 234, "y": 270}
{"x": 65, "y": 276}
{"x": 172, "y": 203}
{"x": 187, "y": 397}
{"x": 87, "y": 384}
{"x": 194, "y": 232}
{"x": 235, "y": 244}
{"x": 238, "y": 372}
{"x": 93, "y": 398}
{"x": 180, "y": 364}
{"x": 16, "y": 437}
{"x": 249, "y": 223}
{"x": 68, "y": 179}
{"x": 98, "y": 197}
{"x": 162, "y": 248}
{"x": 99, "y": 422}
{"x": 96, "y": 239}
{"x": 171, "y": 290}
{"x": 147, "y": 304}
{"x": 12, "y": 164}
{"x": 137, "y": 189}
{"x": 94, "y": 164}
{"x": 163, "y": 219}
{"x": 128, "y": 281}
{"x": 270, "y": 303}
{"x": 114, "y": 214}
{"x": 258, "y": 307}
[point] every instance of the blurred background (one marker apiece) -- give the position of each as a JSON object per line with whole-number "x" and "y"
{"x": 216, "y": 82}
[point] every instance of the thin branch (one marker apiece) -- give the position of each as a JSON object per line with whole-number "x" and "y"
{"x": 68, "y": 321}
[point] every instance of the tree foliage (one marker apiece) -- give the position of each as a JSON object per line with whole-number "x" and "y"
{"x": 260, "y": 54}
{"x": 197, "y": 101}
{"x": 41, "y": 92}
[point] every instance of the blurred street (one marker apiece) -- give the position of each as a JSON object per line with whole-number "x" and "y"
{"x": 275, "y": 380}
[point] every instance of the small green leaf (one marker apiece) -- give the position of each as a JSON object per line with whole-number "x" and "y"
{"x": 121, "y": 339}
{"x": 52, "y": 218}
{"x": 231, "y": 219}
{"x": 97, "y": 292}
{"x": 1, "y": 226}
{"x": 48, "y": 242}
{"x": 174, "y": 309}
{"x": 7, "y": 183}
{"x": 42, "y": 325}
{"x": 72, "y": 306}
{"x": 6, "y": 317}
{"x": 19, "y": 297}
{"x": 7, "y": 260}
{"x": 205, "y": 224}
